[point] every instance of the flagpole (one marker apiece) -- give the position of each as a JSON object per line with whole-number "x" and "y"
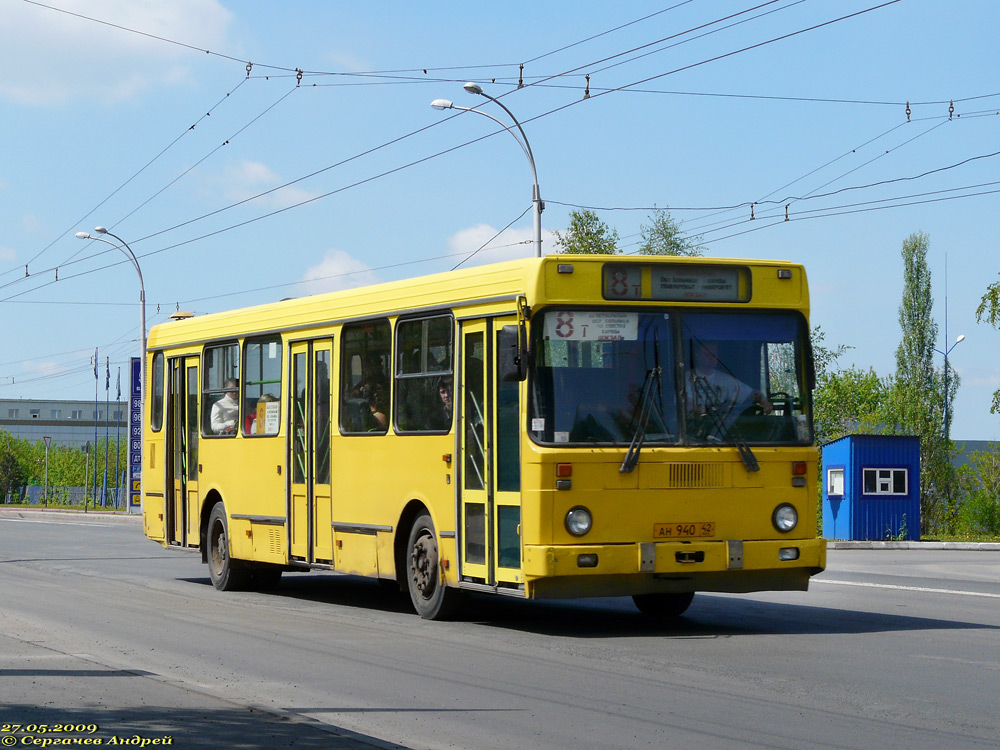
{"x": 107, "y": 424}
{"x": 96, "y": 414}
{"x": 118, "y": 438}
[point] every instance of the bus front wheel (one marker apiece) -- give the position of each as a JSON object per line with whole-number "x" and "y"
{"x": 227, "y": 574}
{"x": 431, "y": 598}
{"x": 663, "y": 605}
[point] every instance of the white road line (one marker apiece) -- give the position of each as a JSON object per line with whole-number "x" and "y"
{"x": 906, "y": 588}
{"x": 54, "y": 523}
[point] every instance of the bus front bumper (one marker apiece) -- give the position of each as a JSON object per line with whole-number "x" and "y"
{"x": 650, "y": 567}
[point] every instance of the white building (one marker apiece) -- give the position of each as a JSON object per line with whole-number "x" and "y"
{"x": 69, "y": 423}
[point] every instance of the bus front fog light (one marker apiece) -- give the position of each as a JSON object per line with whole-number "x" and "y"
{"x": 578, "y": 521}
{"x": 785, "y": 518}
{"x": 788, "y": 553}
{"x": 586, "y": 561}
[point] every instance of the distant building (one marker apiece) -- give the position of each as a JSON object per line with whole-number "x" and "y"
{"x": 68, "y": 423}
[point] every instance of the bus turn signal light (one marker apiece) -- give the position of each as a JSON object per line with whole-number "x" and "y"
{"x": 799, "y": 467}
{"x": 564, "y": 470}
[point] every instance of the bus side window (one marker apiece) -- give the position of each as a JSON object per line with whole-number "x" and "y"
{"x": 424, "y": 375}
{"x": 219, "y": 407}
{"x": 156, "y": 402}
{"x": 262, "y": 386}
{"x": 364, "y": 381}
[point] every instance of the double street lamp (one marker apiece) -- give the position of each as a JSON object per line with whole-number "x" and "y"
{"x": 536, "y": 197}
{"x": 127, "y": 252}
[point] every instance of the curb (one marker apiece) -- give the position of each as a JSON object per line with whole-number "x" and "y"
{"x": 967, "y": 546}
{"x": 69, "y": 516}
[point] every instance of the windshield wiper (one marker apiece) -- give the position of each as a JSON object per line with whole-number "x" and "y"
{"x": 721, "y": 432}
{"x": 640, "y": 419}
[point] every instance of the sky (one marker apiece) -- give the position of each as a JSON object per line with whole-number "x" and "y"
{"x": 183, "y": 127}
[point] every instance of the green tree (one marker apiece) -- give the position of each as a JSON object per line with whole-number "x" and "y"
{"x": 989, "y": 312}
{"x": 663, "y": 237}
{"x": 916, "y": 399}
{"x": 979, "y": 480}
{"x": 588, "y": 235}
{"x": 13, "y": 476}
{"x": 849, "y": 401}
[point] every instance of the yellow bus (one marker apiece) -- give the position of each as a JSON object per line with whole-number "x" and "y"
{"x": 567, "y": 426}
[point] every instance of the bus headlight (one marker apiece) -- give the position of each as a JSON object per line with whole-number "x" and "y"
{"x": 578, "y": 521}
{"x": 785, "y": 518}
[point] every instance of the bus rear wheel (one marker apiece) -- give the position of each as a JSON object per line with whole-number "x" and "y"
{"x": 431, "y": 598}
{"x": 227, "y": 574}
{"x": 663, "y": 605}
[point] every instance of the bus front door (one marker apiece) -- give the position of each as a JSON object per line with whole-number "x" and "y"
{"x": 182, "y": 467}
{"x": 490, "y": 515}
{"x": 309, "y": 506}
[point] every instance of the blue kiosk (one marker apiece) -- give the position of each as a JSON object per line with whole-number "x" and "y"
{"x": 871, "y": 488}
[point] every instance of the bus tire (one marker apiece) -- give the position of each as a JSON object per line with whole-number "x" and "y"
{"x": 431, "y": 598}
{"x": 663, "y": 605}
{"x": 227, "y": 574}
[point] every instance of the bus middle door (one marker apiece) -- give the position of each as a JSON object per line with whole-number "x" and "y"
{"x": 490, "y": 514}
{"x": 309, "y": 508}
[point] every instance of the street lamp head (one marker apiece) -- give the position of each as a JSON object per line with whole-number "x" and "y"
{"x": 442, "y": 104}
{"x": 473, "y": 88}
{"x": 960, "y": 339}
{"x": 83, "y": 235}
{"x": 100, "y": 230}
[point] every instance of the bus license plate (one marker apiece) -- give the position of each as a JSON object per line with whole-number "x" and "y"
{"x": 683, "y": 530}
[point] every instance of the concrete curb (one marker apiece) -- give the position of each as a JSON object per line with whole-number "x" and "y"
{"x": 69, "y": 516}
{"x": 976, "y": 546}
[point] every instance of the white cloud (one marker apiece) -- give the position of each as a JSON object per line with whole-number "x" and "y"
{"x": 50, "y": 58}
{"x": 511, "y": 244}
{"x": 31, "y": 224}
{"x": 243, "y": 181}
{"x": 338, "y": 270}
{"x": 7, "y": 254}
{"x": 43, "y": 368}
{"x": 345, "y": 60}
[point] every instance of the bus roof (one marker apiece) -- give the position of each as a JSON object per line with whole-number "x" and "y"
{"x": 497, "y": 284}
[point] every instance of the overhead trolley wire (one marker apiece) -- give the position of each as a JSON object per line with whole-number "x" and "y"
{"x": 445, "y": 151}
{"x": 119, "y": 188}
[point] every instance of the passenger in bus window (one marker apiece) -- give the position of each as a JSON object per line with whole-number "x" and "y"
{"x": 373, "y": 377}
{"x": 441, "y": 418}
{"x": 226, "y": 410}
{"x": 714, "y": 390}
{"x": 376, "y": 403}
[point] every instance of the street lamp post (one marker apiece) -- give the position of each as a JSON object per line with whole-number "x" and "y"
{"x": 945, "y": 354}
{"x": 127, "y": 251}
{"x": 536, "y": 196}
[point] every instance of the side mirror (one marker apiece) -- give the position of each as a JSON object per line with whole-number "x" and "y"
{"x": 512, "y": 353}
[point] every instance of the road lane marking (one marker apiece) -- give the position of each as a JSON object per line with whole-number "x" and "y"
{"x": 907, "y": 588}
{"x": 54, "y": 523}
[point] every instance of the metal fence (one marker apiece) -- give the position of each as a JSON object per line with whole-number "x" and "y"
{"x": 35, "y": 495}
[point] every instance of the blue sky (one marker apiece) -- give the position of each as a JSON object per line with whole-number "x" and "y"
{"x": 284, "y": 187}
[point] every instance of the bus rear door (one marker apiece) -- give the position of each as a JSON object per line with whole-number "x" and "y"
{"x": 182, "y": 465}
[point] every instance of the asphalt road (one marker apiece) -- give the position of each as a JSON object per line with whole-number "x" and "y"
{"x": 98, "y": 626}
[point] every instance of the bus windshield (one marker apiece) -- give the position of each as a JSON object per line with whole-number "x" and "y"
{"x": 669, "y": 378}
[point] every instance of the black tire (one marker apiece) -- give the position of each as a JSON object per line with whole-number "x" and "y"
{"x": 227, "y": 574}
{"x": 663, "y": 605}
{"x": 431, "y": 598}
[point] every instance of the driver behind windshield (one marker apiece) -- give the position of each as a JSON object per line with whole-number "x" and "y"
{"x": 714, "y": 391}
